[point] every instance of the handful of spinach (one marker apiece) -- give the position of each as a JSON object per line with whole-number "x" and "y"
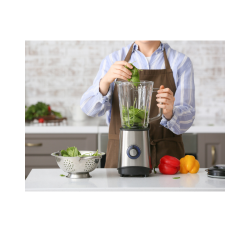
{"x": 73, "y": 152}
{"x": 135, "y": 78}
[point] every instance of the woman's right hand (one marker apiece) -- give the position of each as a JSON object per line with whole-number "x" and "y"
{"x": 117, "y": 70}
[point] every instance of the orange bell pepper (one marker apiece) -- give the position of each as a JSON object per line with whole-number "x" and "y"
{"x": 189, "y": 164}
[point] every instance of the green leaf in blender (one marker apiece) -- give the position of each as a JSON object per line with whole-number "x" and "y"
{"x": 134, "y": 117}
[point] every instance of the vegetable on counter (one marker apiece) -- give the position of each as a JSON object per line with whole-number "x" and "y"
{"x": 39, "y": 110}
{"x": 169, "y": 165}
{"x": 73, "y": 152}
{"x": 189, "y": 164}
{"x": 135, "y": 78}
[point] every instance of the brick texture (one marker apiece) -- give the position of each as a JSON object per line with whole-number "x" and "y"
{"x": 59, "y": 72}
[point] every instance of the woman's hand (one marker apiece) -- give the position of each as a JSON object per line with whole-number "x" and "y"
{"x": 166, "y": 98}
{"x": 117, "y": 70}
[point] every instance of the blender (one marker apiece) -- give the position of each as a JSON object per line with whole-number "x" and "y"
{"x": 134, "y": 150}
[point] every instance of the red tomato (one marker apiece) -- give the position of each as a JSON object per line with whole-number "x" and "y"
{"x": 41, "y": 120}
{"x": 170, "y": 161}
{"x": 167, "y": 169}
{"x": 49, "y": 109}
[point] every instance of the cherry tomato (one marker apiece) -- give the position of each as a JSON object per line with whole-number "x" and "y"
{"x": 41, "y": 120}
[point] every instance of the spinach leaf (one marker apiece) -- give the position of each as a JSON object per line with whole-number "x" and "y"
{"x": 134, "y": 116}
{"x": 135, "y": 77}
{"x": 74, "y": 152}
{"x": 63, "y": 152}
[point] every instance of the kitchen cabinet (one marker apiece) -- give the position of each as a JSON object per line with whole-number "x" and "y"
{"x": 190, "y": 143}
{"x": 38, "y": 148}
{"x": 211, "y": 149}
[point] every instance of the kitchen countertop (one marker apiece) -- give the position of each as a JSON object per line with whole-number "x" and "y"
{"x": 97, "y": 125}
{"x": 110, "y": 180}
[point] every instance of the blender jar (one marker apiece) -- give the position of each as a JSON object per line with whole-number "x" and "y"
{"x": 135, "y": 102}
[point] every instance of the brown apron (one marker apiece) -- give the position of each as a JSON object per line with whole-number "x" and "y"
{"x": 162, "y": 140}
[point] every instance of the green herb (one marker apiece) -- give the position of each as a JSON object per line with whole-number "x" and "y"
{"x": 62, "y": 175}
{"x": 135, "y": 77}
{"x": 176, "y": 177}
{"x": 38, "y": 110}
{"x": 57, "y": 114}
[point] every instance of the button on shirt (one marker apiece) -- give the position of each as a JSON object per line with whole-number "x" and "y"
{"x": 93, "y": 103}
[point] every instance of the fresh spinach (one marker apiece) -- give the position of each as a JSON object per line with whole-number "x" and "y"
{"x": 73, "y": 152}
{"x": 135, "y": 77}
{"x": 134, "y": 117}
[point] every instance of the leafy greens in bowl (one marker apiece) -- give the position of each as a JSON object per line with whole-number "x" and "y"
{"x": 74, "y": 152}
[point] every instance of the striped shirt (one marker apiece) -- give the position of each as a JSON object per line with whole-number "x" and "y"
{"x": 93, "y": 103}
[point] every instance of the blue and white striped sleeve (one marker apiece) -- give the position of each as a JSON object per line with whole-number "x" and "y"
{"x": 184, "y": 105}
{"x": 93, "y": 103}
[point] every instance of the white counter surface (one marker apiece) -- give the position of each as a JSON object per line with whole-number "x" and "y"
{"x": 110, "y": 180}
{"x": 97, "y": 125}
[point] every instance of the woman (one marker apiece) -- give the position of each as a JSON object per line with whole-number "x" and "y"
{"x": 163, "y": 66}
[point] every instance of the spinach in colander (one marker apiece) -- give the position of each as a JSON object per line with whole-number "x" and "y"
{"x": 73, "y": 152}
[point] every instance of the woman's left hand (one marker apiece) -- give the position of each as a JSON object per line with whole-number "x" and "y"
{"x": 166, "y": 98}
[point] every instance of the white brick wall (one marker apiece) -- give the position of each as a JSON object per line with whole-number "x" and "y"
{"x": 58, "y": 73}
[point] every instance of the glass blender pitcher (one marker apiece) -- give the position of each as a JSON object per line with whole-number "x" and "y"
{"x": 135, "y": 102}
{"x": 134, "y": 149}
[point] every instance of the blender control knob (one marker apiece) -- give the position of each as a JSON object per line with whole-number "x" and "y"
{"x": 133, "y": 152}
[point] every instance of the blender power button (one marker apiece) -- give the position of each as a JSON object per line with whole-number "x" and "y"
{"x": 133, "y": 152}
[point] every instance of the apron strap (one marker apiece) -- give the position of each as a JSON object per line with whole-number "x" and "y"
{"x": 154, "y": 143}
{"x": 167, "y": 65}
{"x": 127, "y": 58}
{"x": 113, "y": 137}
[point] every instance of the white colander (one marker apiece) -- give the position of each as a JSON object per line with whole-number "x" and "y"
{"x": 78, "y": 167}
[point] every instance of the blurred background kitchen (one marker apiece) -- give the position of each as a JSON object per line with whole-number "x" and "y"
{"x": 59, "y": 72}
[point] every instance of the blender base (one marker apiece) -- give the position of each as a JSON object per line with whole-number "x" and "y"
{"x": 134, "y": 171}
